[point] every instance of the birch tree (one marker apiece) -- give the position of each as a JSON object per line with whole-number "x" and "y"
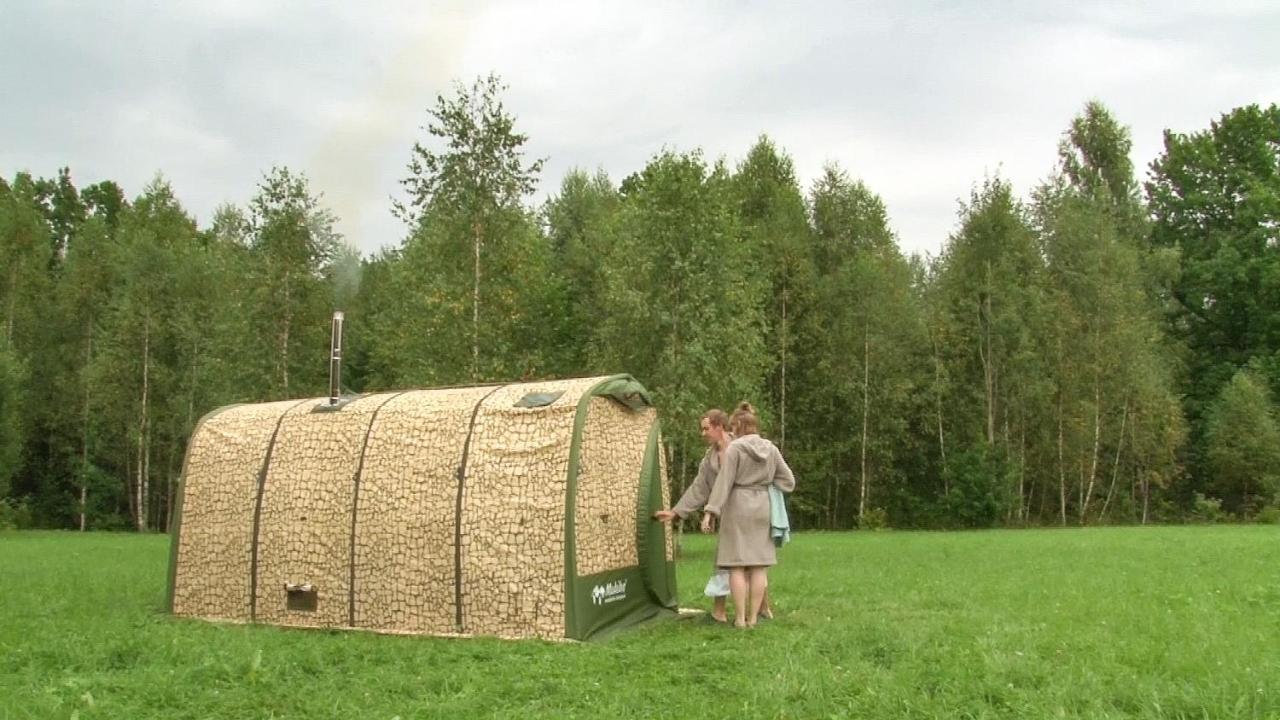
{"x": 989, "y": 289}
{"x": 292, "y": 241}
{"x": 681, "y": 302}
{"x": 132, "y": 370}
{"x": 771, "y": 209}
{"x": 865, "y": 347}
{"x": 582, "y": 226}
{"x": 466, "y": 189}
{"x": 1107, "y": 328}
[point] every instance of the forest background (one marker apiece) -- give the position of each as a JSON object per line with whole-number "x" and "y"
{"x": 1103, "y": 347}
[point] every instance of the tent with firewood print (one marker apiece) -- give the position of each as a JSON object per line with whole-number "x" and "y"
{"x": 520, "y": 510}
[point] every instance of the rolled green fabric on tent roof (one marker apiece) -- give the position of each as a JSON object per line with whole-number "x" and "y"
{"x": 520, "y": 510}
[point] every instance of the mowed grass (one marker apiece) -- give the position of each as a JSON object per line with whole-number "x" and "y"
{"x": 1177, "y": 622}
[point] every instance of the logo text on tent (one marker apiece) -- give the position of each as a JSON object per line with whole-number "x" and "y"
{"x": 609, "y": 592}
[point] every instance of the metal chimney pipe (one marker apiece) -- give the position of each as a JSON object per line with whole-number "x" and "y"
{"x": 335, "y": 359}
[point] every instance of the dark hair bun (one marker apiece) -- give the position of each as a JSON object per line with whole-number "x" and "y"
{"x": 745, "y": 406}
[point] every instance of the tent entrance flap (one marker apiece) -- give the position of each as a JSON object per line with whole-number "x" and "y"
{"x": 618, "y": 569}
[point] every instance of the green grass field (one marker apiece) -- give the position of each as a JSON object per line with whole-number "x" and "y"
{"x": 1179, "y": 622}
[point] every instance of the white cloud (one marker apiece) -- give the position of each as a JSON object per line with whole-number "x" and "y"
{"x": 919, "y": 99}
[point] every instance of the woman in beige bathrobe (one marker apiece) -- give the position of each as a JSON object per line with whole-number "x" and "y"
{"x": 740, "y": 500}
{"x": 714, "y": 425}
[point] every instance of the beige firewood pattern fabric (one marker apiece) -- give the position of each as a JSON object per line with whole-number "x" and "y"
{"x": 304, "y": 535}
{"x": 512, "y": 509}
{"x": 614, "y": 440}
{"x": 513, "y": 512}
{"x": 407, "y": 504}
{"x": 220, "y": 491}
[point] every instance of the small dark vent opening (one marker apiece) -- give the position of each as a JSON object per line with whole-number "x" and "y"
{"x": 301, "y": 597}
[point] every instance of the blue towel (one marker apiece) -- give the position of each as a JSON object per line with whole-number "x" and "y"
{"x": 779, "y": 526}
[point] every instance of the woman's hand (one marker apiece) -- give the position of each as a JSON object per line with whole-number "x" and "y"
{"x": 665, "y": 516}
{"x": 708, "y": 522}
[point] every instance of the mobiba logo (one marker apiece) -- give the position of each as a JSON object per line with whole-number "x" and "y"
{"x": 609, "y": 592}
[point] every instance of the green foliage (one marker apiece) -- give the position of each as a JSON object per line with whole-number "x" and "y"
{"x": 1243, "y": 444}
{"x": 774, "y": 224}
{"x": 1214, "y": 196}
{"x": 471, "y": 285}
{"x": 292, "y": 242}
{"x": 990, "y": 330}
{"x": 1269, "y": 515}
{"x": 581, "y": 225}
{"x": 1067, "y": 358}
{"x": 863, "y": 350}
{"x": 15, "y": 514}
{"x": 1094, "y": 156}
{"x": 13, "y": 408}
{"x": 481, "y": 168}
{"x": 874, "y": 519}
{"x": 1207, "y": 510}
{"x": 668, "y": 313}
{"x": 26, "y": 247}
{"x": 1109, "y": 356}
{"x": 977, "y": 478}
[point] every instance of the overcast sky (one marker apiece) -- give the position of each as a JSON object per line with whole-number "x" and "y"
{"x": 918, "y": 99}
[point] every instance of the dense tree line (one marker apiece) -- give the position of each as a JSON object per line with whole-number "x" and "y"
{"x": 1100, "y": 348}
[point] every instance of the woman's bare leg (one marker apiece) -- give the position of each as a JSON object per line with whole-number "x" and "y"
{"x": 738, "y": 588}
{"x": 759, "y": 580}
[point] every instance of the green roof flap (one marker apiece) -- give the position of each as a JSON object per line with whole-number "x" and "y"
{"x": 626, "y": 390}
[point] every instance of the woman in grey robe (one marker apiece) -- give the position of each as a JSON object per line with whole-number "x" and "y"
{"x": 740, "y": 501}
{"x": 714, "y": 426}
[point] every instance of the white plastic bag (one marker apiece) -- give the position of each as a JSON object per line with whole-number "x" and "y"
{"x": 717, "y": 585}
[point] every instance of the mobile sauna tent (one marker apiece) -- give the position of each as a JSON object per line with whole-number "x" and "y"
{"x": 516, "y": 510}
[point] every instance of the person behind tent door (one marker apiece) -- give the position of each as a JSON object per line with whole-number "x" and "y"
{"x": 714, "y": 425}
{"x": 740, "y": 501}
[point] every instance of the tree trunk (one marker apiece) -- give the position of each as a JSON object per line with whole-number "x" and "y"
{"x": 831, "y": 508}
{"x": 13, "y": 306}
{"x": 1062, "y": 470}
{"x": 674, "y": 483}
{"x": 1115, "y": 466}
{"x": 1080, "y": 475}
{"x": 835, "y": 501}
{"x": 195, "y": 379}
{"x": 284, "y": 337}
{"x": 1097, "y": 442}
{"x": 84, "y": 437}
{"x": 129, "y": 479}
{"x": 1146, "y": 497}
{"x": 866, "y": 407}
{"x": 937, "y": 396}
{"x": 988, "y": 369}
{"x": 1024, "y": 501}
{"x": 989, "y": 360}
{"x": 170, "y": 485}
{"x": 477, "y": 236}
{"x": 140, "y": 487}
{"x": 782, "y": 390}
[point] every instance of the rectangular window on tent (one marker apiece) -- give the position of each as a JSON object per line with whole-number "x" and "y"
{"x": 538, "y": 399}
